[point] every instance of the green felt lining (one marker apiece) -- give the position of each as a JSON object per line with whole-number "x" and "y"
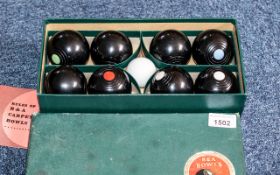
{"x": 126, "y": 144}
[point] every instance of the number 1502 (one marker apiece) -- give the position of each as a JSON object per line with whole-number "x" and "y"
{"x": 222, "y": 122}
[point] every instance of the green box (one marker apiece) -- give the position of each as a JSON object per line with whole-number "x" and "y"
{"x": 134, "y": 133}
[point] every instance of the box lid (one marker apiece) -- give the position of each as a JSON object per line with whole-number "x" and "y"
{"x": 130, "y": 144}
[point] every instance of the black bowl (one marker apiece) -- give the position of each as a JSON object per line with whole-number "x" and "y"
{"x": 109, "y": 80}
{"x": 68, "y": 47}
{"x": 171, "y": 47}
{"x": 110, "y": 47}
{"x": 171, "y": 80}
{"x": 65, "y": 80}
{"x": 216, "y": 80}
{"x": 212, "y": 47}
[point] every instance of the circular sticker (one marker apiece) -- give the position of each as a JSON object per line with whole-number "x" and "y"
{"x": 160, "y": 75}
{"x": 219, "y": 76}
{"x": 219, "y": 54}
{"x": 17, "y": 117}
{"x": 109, "y": 75}
{"x": 209, "y": 163}
{"x": 55, "y": 59}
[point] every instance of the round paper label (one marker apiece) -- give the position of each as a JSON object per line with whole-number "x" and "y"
{"x": 17, "y": 117}
{"x": 209, "y": 163}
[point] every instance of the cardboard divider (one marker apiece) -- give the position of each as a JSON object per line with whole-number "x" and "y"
{"x": 141, "y": 26}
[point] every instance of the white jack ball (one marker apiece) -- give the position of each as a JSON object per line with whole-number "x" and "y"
{"x": 141, "y": 69}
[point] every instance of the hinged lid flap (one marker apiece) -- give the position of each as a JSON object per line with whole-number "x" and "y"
{"x": 128, "y": 143}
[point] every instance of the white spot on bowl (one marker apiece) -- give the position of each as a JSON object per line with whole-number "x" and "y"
{"x": 219, "y": 76}
{"x": 160, "y": 75}
{"x": 219, "y": 54}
